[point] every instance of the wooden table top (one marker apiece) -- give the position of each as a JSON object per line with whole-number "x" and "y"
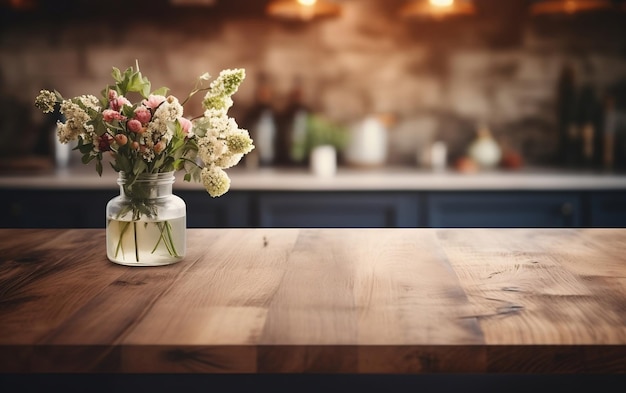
{"x": 319, "y": 300}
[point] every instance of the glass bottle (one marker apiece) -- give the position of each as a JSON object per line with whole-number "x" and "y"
{"x": 293, "y": 131}
{"x": 146, "y": 223}
{"x": 261, "y": 122}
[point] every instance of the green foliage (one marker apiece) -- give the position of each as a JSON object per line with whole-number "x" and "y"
{"x": 131, "y": 80}
{"x": 322, "y": 131}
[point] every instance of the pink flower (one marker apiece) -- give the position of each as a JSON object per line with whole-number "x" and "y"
{"x": 185, "y": 125}
{"x": 109, "y": 115}
{"x": 143, "y": 114}
{"x": 134, "y": 125}
{"x": 112, "y": 95}
{"x": 154, "y": 101}
{"x": 119, "y": 102}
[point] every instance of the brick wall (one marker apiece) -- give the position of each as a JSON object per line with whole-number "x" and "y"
{"x": 440, "y": 79}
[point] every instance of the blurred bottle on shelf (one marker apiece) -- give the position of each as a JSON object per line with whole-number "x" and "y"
{"x": 589, "y": 120}
{"x": 261, "y": 122}
{"x": 608, "y": 134}
{"x": 292, "y": 136}
{"x": 568, "y": 127}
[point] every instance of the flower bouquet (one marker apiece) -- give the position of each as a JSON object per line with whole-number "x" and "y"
{"x": 149, "y": 139}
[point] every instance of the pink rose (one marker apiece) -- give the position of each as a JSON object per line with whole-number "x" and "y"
{"x": 134, "y": 125}
{"x": 109, "y": 115}
{"x": 119, "y": 102}
{"x": 154, "y": 101}
{"x": 143, "y": 114}
{"x": 112, "y": 95}
{"x": 185, "y": 125}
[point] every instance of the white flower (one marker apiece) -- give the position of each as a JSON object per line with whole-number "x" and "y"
{"x": 65, "y": 133}
{"x": 215, "y": 180}
{"x": 46, "y": 101}
{"x": 90, "y": 101}
{"x": 239, "y": 141}
{"x": 226, "y": 84}
{"x": 75, "y": 124}
{"x": 169, "y": 110}
{"x": 210, "y": 148}
{"x": 228, "y": 160}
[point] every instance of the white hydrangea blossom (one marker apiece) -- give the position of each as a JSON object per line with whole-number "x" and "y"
{"x": 228, "y": 160}
{"x": 239, "y": 141}
{"x": 215, "y": 180}
{"x": 211, "y": 148}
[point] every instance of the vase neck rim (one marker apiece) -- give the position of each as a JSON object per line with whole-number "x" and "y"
{"x": 162, "y": 178}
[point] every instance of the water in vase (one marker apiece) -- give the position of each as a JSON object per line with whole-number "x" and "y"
{"x": 146, "y": 243}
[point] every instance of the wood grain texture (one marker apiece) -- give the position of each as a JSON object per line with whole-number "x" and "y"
{"x": 391, "y": 301}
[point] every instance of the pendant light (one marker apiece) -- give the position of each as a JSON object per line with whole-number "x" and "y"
{"x": 568, "y": 6}
{"x": 437, "y": 8}
{"x": 303, "y": 10}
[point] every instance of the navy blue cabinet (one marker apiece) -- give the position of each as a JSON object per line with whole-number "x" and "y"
{"x": 29, "y": 208}
{"x": 231, "y": 210}
{"x": 348, "y": 209}
{"x": 608, "y": 209}
{"x": 71, "y": 208}
{"x": 504, "y": 209}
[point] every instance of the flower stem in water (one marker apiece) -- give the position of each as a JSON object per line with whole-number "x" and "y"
{"x": 119, "y": 243}
{"x": 136, "y": 245}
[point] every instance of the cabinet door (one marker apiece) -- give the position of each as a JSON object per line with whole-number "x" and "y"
{"x": 54, "y": 208}
{"x": 608, "y": 209}
{"x": 337, "y": 210}
{"x": 231, "y": 210}
{"x": 504, "y": 209}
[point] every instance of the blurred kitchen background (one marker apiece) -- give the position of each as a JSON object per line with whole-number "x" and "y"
{"x": 407, "y": 83}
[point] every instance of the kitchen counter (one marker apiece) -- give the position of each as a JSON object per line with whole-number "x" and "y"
{"x": 330, "y": 301}
{"x": 383, "y": 179}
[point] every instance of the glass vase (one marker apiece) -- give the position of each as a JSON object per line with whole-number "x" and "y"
{"x": 146, "y": 223}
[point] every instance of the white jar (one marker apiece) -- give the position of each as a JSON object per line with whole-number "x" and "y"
{"x": 323, "y": 161}
{"x": 484, "y": 150}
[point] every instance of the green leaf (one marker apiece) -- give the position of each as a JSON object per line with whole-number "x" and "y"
{"x": 129, "y": 111}
{"x": 187, "y": 177}
{"x": 139, "y": 167}
{"x": 178, "y": 164}
{"x": 159, "y": 162}
{"x": 123, "y": 163}
{"x": 99, "y": 167}
{"x": 116, "y": 74}
{"x": 97, "y": 121}
{"x": 145, "y": 91}
{"x": 161, "y": 91}
{"x": 87, "y": 158}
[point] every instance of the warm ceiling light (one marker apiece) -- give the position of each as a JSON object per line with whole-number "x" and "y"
{"x": 442, "y": 3}
{"x": 437, "y": 8}
{"x": 569, "y": 6}
{"x": 302, "y": 9}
